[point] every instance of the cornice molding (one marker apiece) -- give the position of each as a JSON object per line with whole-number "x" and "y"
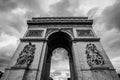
{"x": 32, "y": 39}
{"x": 98, "y": 68}
{"x": 60, "y": 26}
{"x": 55, "y": 22}
{"x": 74, "y": 40}
{"x": 60, "y": 20}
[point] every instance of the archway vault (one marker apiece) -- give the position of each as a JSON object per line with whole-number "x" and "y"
{"x": 58, "y": 40}
{"x": 63, "y": 31}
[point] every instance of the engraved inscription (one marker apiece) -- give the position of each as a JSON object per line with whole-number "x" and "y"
{"x": 94, "y": 58}
{"x": 27, "y": 55}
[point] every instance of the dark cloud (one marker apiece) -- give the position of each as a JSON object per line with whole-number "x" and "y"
{"x": 61, "y": 8}
{"x": 35, "y": 8}
{"x": 115, "y": 46}
{"x": 5, "y": 55}
{"x": 110, "y": 16}
{"x": 13, "y": 25}
{"x": 3, "y": 62}
{"x": 9, "y": 21}
{"x": 92, "y": 12}
{"x": 7, "y": 5}
{"x": 29, "y": 3}
{"x": 17, "y": 22}
{"x": 107, "y": 22}
{"x": 8, "y": 50}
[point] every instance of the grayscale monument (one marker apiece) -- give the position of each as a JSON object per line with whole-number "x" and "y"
{"x": 87, "y": 58}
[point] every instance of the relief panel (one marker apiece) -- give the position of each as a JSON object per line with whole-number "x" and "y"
{"x": 84, "y": 33}
{"x": 94, "y": 57}
{"x": 35, "y": 33}
{"x": 27, "y": 55}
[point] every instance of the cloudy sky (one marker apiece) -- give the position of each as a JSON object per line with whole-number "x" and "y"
{"x": 60, "y": 69}
{"x": 14, "y": 13}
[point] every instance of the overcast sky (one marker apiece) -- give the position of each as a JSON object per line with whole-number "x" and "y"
{"x": 14, "y": 13}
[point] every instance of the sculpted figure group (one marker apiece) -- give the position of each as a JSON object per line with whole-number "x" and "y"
{"x": 94, "y": 58}
{"x": 27, "y": 55}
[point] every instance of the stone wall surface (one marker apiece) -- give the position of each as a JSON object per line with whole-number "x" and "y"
{"x": 14, "y": 72}
{"x": 85, "y": 72}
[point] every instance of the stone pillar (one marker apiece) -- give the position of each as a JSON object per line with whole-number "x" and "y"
{"x": 72, "y": 73}
{"x": 86, "y": 70}
{"x": 77, "y": 68}
{"x": 47, "y": 67}
{"x": 41, "y": 67}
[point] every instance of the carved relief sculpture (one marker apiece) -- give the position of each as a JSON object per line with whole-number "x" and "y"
{"x": 94, "y": 58}
{"x": 27, "y": 55}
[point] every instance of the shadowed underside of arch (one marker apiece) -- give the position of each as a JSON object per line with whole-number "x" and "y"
{"x": 58, "y": 40}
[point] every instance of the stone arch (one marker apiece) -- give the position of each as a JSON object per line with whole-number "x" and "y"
{"x": 63, "y": 40}
{"x": 66, "y": 32}
{"x": 58, "y": 39}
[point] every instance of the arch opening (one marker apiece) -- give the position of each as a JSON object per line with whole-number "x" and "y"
{"x": 59, "y": 46}
{"x": 59, "y": 39}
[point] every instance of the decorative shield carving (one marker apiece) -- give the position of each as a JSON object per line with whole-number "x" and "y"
{"x": 94, "y": 58}
{"x": 27, "y": 55}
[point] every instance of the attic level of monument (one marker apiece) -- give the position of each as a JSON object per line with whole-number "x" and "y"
{"x": 79, "y": 27}
{"x": 60, "y": 21}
